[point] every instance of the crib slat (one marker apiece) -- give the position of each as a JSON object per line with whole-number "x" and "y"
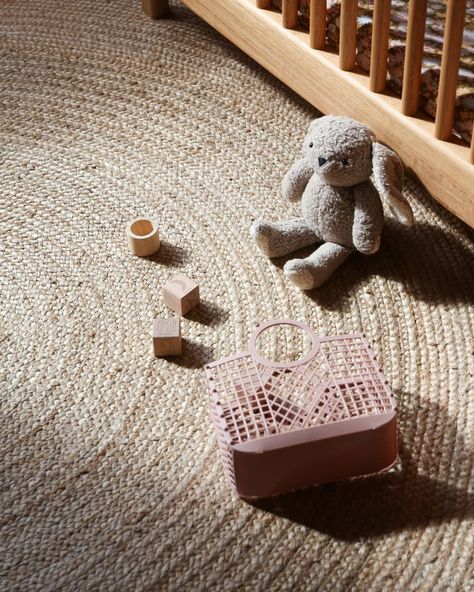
{"x": 449, "y": 68}
{"x": 413, "y": 56}
{"x": 289, "y": 11}
{"x": 317, "y": 24}
{"x": 263, "y": 3}
{"x": 348, "y": 34}
{"x": 379, "y": 49}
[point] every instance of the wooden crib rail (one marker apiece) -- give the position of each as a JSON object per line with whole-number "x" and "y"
{"x": 320, "y": 76}
{"x": 289, "y": 13}
{"x": 379, "y": 49}
{"x": 453, "y": 33}
{"x": 413, "y": 56}
{"x": 317, "y": 24}
{"x": 348, "y": 34}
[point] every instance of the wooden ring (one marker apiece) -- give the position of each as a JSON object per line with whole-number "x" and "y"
{"x": 143, "y": 237}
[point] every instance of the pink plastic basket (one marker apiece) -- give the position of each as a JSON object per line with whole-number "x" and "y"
{"x": 282, "y": 426}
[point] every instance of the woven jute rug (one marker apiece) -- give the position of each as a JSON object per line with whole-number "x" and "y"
{"x": 109, "y": 471}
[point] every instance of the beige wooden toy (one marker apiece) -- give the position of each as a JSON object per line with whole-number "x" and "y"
{"x": 143, "y": 237}
{"x": 167, "y": 337}
{"x": 181, "y": 294}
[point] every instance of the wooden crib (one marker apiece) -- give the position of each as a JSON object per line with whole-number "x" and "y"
{"x": 334, "y": 84}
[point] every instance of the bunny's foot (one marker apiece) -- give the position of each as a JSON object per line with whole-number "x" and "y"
{"x": 316, "y": 269}
{"x": 276, "y": 239}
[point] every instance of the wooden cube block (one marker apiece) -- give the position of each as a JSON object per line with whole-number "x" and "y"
{"x": 181, "y": 294}
{"x": 167, "y": 337}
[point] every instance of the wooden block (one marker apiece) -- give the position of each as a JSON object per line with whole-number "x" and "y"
{"x": 143, "y": 237}
{"x": 181, "y": 294}
{"x": 167, "y": 337}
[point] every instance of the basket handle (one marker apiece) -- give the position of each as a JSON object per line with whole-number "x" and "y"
{"x": 315, "y": 343}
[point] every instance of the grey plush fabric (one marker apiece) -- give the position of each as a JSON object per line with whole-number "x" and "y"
{"x": 279, "y": 238}
{"x": 341, "y": 206}
{"x": 313, "y": 271}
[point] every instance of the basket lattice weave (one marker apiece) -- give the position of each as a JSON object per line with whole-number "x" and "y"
{"x": 252, "y": 398}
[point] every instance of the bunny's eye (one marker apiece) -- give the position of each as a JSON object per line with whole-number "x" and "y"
{"x": 344, "y": 161}
{"x": 311, "y": 144}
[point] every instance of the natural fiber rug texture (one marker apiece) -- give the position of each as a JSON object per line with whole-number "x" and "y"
{"x": 109, "y": 471}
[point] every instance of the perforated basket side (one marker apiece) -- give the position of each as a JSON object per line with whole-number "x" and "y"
{"x": 357, "y": 376}
{"x": 221, "y": 430}
{"x": 342, "y": 381}
{"x": 239, "y": 391}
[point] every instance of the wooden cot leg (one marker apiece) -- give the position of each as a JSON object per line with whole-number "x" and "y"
{"x": 156, "y": 9}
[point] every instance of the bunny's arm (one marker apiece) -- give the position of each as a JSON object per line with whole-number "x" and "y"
{"x": 368, "y": 219}
{"x": 296, "y": 179}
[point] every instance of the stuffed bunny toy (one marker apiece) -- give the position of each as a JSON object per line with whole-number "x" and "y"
{"x": 341, "y": 205}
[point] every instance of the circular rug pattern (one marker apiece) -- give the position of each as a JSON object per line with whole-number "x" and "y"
{"x": 109, "y": 471}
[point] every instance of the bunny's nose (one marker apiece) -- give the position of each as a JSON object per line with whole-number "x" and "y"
{"x": 321, "y": 161}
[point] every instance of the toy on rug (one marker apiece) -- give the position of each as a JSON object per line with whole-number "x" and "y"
{"x": 341, "y": 205}
{"x": 143, "y": 237}
{"x": 281, "y": 426}
{"x": 181, "y": 294}
{"x": 167, "y": 339}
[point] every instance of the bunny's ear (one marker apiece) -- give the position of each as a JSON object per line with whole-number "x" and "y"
{"x": 388, "y": 178}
